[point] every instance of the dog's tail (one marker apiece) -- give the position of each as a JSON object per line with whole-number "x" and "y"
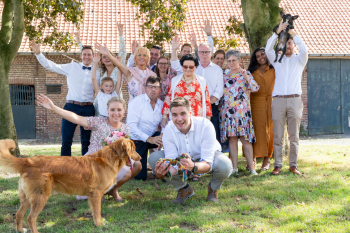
{"x": 7, "y": 160}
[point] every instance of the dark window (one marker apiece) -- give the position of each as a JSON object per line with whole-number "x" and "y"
{"x": 53, "y": 88}
{"x": 22, "y": 95}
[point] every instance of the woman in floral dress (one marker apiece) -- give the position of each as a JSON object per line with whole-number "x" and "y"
{"x": 235, "y": 115}
{"x": 192, "y": 87}
{"x": 100, "y": 128}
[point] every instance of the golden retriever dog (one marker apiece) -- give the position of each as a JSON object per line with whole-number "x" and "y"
{"x": 90, "y": 175}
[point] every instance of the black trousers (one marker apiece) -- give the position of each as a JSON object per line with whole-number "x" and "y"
{"x": 68, "y": 129}
{"x": 215, "y": 120}
{"x": 142, "y": 150}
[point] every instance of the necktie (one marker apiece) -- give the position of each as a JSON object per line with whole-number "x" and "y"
{"x": 84, "y": 68}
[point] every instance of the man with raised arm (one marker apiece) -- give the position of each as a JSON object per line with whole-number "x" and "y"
{"x": 80, "y": 94}
{"x": 286, "y": 95}
{"x": 193, "y": 137}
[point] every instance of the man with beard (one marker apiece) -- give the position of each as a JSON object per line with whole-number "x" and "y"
{"x": 286, "y": 95}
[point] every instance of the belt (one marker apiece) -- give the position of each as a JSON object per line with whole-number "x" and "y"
{"x": 287, "y": 96}
{"x": 79, "y": 103}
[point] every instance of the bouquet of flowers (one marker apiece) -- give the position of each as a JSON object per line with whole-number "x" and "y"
{"x": 112, "y": 137}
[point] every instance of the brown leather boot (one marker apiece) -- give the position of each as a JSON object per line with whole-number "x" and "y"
{"x": 294, "y": 170}
{"x": 212, "y": 195}
{"x": 183, "y": 194}
{"x": 276, "y": 171}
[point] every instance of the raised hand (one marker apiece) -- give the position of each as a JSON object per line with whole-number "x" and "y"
{"x": 45, "y": 102}
{"x": 35, "y": 47}
{"x": 208, "y": 26}
{"x": 96, "y": 58}
{"x": 175, "y": 43}
{"x": 134, "y": 46}
{"x": 193, "y": 40}
{"x": 77, "y": 36}
{"x": 243, "y": 71}
{"x": 120, "y": 28}
{"x": 103, "y": 49}
{"x": 281, "y": 27}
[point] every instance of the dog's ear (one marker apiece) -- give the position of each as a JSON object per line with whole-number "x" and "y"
{"x": 282, "y": 14}
{"x": 127, "y": 146}
{"x": 295, "y": 17}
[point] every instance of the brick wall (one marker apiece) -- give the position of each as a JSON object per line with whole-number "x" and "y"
{"x": 26, "y": 70}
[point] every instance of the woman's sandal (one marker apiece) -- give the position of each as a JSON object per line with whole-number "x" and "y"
{"x": 196, "y": 178}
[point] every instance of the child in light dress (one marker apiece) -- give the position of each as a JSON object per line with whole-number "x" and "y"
{"x": 104, "y": 92}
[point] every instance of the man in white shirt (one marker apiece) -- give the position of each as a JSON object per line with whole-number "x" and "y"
{"x": 195, "y": 138}
{"x": 155, "y": 53}
{"x": 215, "y": 82}
{"x": 286, "y": 95}
{"x": 80, "y": 94}
{"x": 144, "y": 117}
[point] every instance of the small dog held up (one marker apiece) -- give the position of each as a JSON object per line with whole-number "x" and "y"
{"x": 284, "y": 36}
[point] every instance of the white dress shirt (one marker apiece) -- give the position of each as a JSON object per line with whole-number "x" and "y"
{"x": 290, "y": 70}
{"x": 199, "y": 143}
{"x": 131, "y": 62}
{"x": 78, "y": 80}
{"x": 215, "y": 79}
{"x": 142, "y": 119}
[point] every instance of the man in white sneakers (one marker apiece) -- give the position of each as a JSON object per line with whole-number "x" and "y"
{"x": 194, "y": 137}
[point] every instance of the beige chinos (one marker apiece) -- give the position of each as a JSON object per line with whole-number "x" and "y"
{"x": 292, "y": 108}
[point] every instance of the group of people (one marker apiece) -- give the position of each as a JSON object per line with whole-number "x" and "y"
{"x": 187, "y": 106}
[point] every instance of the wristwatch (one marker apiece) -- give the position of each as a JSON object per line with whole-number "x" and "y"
{"x": 195, "y": 168}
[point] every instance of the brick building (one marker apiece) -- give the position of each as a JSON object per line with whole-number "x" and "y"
{"x": 322, "y": 24}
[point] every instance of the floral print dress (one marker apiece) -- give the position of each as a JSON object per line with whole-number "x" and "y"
{"x": 193, "y": 93}
{"x": 235, "y": 112}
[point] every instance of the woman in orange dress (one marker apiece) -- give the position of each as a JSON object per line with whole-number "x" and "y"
{"x": 264, "y": 75}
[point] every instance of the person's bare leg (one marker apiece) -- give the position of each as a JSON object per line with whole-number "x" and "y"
{"x": 129, "y": 175}
{"x": 248, "y": 152}
{"x": 233, "y": 151}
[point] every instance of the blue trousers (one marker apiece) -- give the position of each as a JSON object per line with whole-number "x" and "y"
{"x": 68, "y": 129}
{"x": 142, "y": 150}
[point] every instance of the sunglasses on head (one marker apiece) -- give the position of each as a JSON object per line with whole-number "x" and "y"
{"x": 188, "y": 67}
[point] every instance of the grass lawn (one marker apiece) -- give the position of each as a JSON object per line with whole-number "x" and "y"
{"x": 317, "y": 201}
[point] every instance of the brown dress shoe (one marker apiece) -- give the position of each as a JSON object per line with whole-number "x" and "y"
{"x": 294, "y": 170}
{"x": 212, "y": 195}
{"x": 276, "y": 171}
{"x": 183, "y": 194}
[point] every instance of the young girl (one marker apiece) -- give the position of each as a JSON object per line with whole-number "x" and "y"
{"x": 106, "y": 92}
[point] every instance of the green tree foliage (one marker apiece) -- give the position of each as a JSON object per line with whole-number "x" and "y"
{"x": 30, "y": 17}
{"x": 162, "y": 18}
{"x": 260, "y": 17}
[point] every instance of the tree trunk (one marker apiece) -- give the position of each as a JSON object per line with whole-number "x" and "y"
{"x": 7, "y": 129}
{"x": 260, "y": 17}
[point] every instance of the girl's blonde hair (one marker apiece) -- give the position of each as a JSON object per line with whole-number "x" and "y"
{"x": 106, "y": 79}
{"x": 117, "y": 99}
{"x": 142, "y": 50}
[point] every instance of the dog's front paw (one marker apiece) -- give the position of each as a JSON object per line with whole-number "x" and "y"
{"x": 99, "y": 224}
{"x": 24, "y": 230}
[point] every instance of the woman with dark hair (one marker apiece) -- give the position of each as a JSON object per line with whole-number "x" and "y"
{"x": 165, "y": 73}
{"x": 191, "y": 86}
{"x": 264, "y": 74}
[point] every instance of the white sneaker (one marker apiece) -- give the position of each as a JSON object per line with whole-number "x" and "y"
{"x": 253, "y": 172}
{"x": 234, "y": 173}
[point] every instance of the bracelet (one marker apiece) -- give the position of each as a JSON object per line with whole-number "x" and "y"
{"x": 164, "y": 117}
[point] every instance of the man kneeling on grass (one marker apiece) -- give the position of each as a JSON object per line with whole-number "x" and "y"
{"x": 195, "y": 138}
